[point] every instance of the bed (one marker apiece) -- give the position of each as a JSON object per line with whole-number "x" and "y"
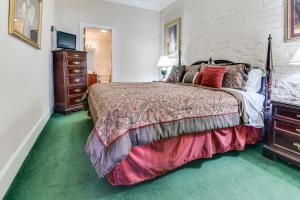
{"x": 144, "y": 130}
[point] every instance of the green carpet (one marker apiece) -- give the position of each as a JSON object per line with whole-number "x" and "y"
{"x": 58, "y": 168}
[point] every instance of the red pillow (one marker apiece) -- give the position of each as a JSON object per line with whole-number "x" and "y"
{"x": 198, "y": 78}
{"x": 213, "y": 77}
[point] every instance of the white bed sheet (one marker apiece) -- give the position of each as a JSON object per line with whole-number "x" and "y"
{"x": 254, "y": 103}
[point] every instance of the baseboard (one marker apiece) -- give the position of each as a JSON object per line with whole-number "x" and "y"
{"x": 11, "y": 168}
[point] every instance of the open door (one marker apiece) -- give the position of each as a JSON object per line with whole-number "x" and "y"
{"x": 98, "y": 44}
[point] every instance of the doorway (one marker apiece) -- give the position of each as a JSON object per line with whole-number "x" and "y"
{"x": 97, "y": 42}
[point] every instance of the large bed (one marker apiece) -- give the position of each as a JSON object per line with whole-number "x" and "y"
{"x": 143, "y": 130}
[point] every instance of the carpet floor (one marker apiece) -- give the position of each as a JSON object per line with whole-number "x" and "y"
{"x": 58, "y": 168}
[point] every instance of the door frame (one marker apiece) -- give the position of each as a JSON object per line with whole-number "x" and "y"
{"x": 113, "y": 51}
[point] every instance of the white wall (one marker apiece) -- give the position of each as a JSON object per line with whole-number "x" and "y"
{"x": 137, "y": 34}
{"x": 26, "y": 93}
{"x": 234, "y": 29}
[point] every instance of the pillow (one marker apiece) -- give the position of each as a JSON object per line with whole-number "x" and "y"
{"x": 253, "y": 83}
{"x": 213, "y": 76}
{"x": 190, "y": 77}
{"x": 176, "y": 74}
{"x": 193, "y": 78}
{"x": 198, "y": 78}
{"x": 193, "y": 68}
{"x": 235, "y": 76}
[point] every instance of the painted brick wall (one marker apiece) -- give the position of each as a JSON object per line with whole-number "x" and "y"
{"x": 234, "y": 29}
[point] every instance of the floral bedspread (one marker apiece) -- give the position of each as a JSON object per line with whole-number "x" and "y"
{"x": 130, "y": 114}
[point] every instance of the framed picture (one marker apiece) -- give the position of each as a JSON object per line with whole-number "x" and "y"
{"x": 173, "y": 38}
{"x": 25, "y": 21}
{"x": 292, "y": 22}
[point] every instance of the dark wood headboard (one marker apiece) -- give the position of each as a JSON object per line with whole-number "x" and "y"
{"x": 266, "y": 88}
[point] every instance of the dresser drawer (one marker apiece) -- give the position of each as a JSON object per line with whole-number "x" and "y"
{"x": 288, "y": 114}
{"x": 288, "y": 142}
{"x": 75, "y": 100}
{"x": 77, "y": 90}
{"x": 76, "y": 63}
{"x": 74, "y": 80}
{"x": 76, "y": 71}
{"x": 71, "y": 54}
{"x": 283, "y": 126}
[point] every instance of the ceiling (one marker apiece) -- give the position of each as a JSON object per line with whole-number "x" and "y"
{"x": 156, "y": 5}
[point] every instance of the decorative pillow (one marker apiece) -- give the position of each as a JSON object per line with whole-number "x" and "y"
{"x": 235, "y": 76}
{"x": 213, "y": 76}
{"x": 190, "y": 77}
{"x": 193, "y": 68}
{"x": 253, "y": 83}
{"x": 176, "y": 74}
{"x": 198, "y": 78}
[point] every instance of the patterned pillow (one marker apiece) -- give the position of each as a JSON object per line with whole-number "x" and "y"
{"x": 193, "y": 68}
{"x": 176, "y": 74}
{"x": 191, "y": 77}
{"x": 236, "y": 75}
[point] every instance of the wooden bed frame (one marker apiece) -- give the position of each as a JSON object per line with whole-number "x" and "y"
{"x": 266, "y": 84}
{"x": 136, "y": 167}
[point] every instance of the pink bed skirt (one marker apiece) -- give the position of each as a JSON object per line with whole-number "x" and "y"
{"x": 152, "y": 160}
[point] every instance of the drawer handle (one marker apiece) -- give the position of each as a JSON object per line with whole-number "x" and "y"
{"x": 296, "y": 144}
{"x": 76, "y": 71}
{"x": 298, "y": 130}
{"x": 76, "y": 63}
{"x": 76, "y": 55}
{"x": 77, "y": 80}
{"x": 77, "y": 90}
{"x": 78, "y": 100}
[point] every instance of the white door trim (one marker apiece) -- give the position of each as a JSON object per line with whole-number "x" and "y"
{"x": 81, "y": 45}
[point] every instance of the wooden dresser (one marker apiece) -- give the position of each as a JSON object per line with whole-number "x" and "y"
{"x": 70, "y": 79}
{"x": 284, "y": 134}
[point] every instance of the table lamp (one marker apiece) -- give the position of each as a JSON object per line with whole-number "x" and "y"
{"x": 163, "y": 63}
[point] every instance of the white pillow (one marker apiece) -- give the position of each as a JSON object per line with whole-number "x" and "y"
{"x": 253, "y": 83}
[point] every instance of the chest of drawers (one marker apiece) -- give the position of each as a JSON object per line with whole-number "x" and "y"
{"x": 70, "y": 79}
{"x": 284, "y": 134}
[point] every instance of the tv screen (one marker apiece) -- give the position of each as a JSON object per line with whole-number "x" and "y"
{"x": 66, "y": 40}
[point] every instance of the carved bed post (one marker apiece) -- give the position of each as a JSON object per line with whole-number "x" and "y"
{"x": 268, "y": 84}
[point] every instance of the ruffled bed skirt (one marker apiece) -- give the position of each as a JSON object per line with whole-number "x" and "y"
{"x": 149, "y": 161}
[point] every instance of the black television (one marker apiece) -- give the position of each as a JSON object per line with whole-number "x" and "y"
{"x": 66, "y": 40}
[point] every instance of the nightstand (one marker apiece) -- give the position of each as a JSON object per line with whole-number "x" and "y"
{"x": 284, "y": 133}
{"x": 91, "y": 79}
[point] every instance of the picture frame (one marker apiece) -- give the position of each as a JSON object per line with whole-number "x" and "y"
{"x": 25, "y": 21}
{"x": 292, "y": 21}
{"x": 173, "y": 38}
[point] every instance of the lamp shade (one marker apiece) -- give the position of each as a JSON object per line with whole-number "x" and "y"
{"x": 164, "y": 61}
{"x": 296, "y": 58}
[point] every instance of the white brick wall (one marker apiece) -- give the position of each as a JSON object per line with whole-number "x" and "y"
{"x": 236, "y": 30}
